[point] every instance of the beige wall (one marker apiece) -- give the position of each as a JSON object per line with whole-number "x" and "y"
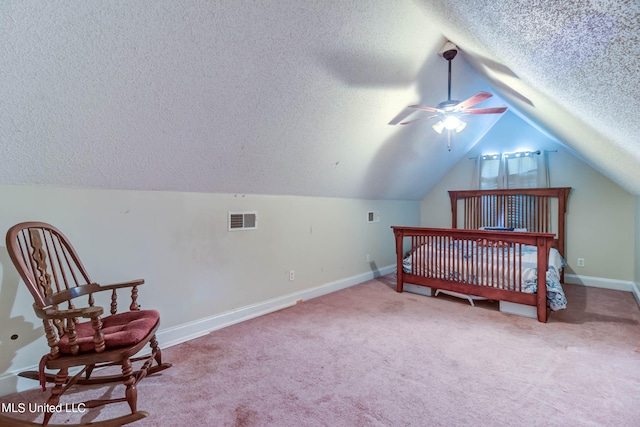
{"x": 178, "y": 242}
{"x": 601, "y": 219}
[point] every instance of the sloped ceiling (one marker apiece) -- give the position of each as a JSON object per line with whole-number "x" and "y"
{"x": 293, "y": 97}
{"x": 570, "y": 68}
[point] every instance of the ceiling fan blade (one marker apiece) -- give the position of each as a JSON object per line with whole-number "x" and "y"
{"x": 475, "y": 99}
{"x": 493, "y": 110}
{"x": 401, "y": 116}
{"x": 431, "y": 109}
{"x": 419, "y": 120}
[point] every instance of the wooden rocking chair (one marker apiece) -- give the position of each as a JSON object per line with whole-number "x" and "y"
{"x": 77, "y": 334}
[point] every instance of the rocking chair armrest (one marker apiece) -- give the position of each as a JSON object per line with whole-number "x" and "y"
{"x": 128, "y": 284}
{"x": 89, "y": 288}
{"x": 68, "y": 294}
{"x": 71, "y": 293}
{"x": 133, "y": 284}
{"x": 86, "y": 312}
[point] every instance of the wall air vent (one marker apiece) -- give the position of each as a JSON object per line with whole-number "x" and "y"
{"x": 242, "y": 221}
{"x": 373, "y": 216}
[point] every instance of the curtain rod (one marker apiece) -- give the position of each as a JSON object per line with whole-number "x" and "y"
{"x": 533, "y": 152}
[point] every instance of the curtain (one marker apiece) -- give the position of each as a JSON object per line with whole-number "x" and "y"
{"x": 513, "y": 170}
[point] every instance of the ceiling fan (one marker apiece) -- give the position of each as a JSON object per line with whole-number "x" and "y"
{"x": 449, "y": 111}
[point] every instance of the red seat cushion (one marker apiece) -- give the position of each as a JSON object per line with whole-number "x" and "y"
{"x": 120, "y": 330}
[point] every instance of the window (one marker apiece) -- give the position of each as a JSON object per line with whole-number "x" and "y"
{"x": 514, "y": 170}
{"x": 489, "y": 171}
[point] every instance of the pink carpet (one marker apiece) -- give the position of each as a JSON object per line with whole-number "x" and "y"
{"x": 368, "y": 356}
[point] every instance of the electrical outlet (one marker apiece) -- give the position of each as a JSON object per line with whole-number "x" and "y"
{"x": 368, "y": 258}
{"x": 292, "y": 275}
{"x": 580, "y": 262}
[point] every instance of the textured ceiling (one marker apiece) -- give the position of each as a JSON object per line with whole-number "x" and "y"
{"x": 293, "y": 97}
{"x": 571, "y": 68}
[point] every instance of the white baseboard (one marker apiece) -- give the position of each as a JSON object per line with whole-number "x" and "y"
{"x": 599, "y": 282}
{"x": 10, "y": 382}
{"x": 636, "y": 292}
{"x": 188, "y": 331}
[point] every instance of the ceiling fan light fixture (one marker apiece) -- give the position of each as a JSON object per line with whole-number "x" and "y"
{"x": 438, "y": 126}
{"x": 461, "y": 126}
{"x": 452, "y": 122}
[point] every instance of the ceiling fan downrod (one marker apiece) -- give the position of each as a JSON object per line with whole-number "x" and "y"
{"x": 449, "y": 55}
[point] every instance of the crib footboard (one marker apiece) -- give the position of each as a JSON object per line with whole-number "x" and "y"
{"x": 503, "y": 266}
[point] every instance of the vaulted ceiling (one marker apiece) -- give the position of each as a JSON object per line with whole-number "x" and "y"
{"x": 295, "y": 97}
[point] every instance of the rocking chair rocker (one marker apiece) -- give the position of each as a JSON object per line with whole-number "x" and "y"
{"x": 52, "y": 271}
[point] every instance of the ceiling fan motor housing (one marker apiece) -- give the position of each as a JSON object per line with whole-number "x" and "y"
{"x": 448, "y": 51}
{"x": 450, "y": 54}
{"x": 448, "y": 105}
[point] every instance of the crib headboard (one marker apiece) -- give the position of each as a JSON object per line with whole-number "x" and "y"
{"x": 536, "y": 209}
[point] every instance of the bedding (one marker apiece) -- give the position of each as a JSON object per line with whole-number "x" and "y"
{"x": 488, "y": 263}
